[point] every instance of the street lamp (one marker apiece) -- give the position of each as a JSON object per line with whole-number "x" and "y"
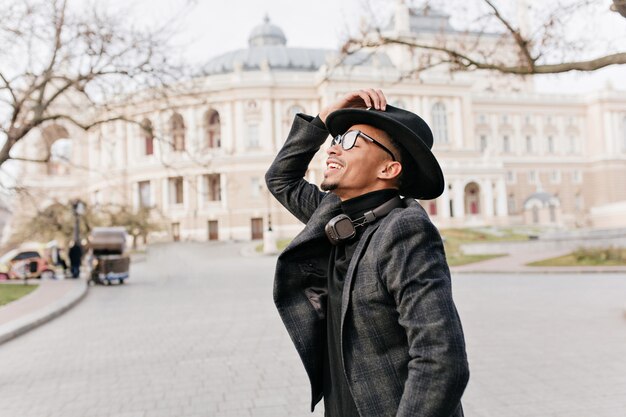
{"x": 78, "y": 207}
{"x": 269, "y": 239}
{"x": 269, "y": 211}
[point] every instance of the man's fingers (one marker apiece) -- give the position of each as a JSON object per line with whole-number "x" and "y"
{"x": 370, "y": 98}
{"x": 382, "y": 99}
{"x": 365, "y": 96}
{"x": 374, "y": 97}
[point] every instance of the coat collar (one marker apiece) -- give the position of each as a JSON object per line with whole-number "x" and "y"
{"x": 329, "y": 207}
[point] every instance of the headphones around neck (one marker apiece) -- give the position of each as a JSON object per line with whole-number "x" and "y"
{"x": 342, "y": 228}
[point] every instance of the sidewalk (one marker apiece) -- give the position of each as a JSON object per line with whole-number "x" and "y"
{"x": 515, "y": 263}
{"x": 51, "y": 299}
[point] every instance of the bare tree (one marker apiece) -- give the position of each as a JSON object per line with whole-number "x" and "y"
{"x": 69, "y": 63}
{"x": 520, "y": 38}
{"x": 56, "y": 221}
{"x": 138, "y": 223}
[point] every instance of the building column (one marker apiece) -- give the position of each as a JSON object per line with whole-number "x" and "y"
{"x": 444, "y": 203}
{"x": 487, "y": 197}
{"x": 187, "y": 197}
{"x": 426, "y": 109}
{"x": 200, "y": 191}
{"x": 166, "y": 194}
{"x": 501, "y": 208}
{"x": 199, "y": 137}
{"x": 608, "y": 134}
{"x": 158, "y": 127}
{"x": 459, "y": 199}
{"x": 224, "y": 191}
{"x": 135, "y": 195}
{"x": 153, "y": 193}
{"x": 417, "y": 106}
{"x": 457, "y": 133}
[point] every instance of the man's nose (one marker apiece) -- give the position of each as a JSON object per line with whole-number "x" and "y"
{"x": 334, "y": 150}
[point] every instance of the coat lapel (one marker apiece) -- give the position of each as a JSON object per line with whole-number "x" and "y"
{"x": 347, "y": 285}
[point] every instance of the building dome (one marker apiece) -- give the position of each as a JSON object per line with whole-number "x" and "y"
{"x": 266, "y": 34}
{"x": 267, "y": 49}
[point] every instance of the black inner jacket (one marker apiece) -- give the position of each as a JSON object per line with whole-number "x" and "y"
{"x": 338, "y": 401}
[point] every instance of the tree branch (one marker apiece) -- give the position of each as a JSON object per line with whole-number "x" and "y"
{"x": 468, "y": 63}
{"x": 522, "y": 43}
{"x": 39, "y": 161}
{"x": 8, "y": 86}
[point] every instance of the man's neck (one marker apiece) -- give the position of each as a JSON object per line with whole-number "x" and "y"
{"x": 349, "y": 195}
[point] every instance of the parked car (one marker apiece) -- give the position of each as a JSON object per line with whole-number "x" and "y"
{"x": 30, "y": 260}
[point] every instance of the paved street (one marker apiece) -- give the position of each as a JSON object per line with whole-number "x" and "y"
{"x": 195, "y": 333}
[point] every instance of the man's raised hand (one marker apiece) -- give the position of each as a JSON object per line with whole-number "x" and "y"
{"x": 360, "y": 99}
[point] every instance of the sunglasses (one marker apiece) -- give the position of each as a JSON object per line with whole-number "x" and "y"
{"x": 348, "y": 140}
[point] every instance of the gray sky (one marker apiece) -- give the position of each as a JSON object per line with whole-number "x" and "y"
{"x": 209, "y": 28}
{"x": 212, "y": 27}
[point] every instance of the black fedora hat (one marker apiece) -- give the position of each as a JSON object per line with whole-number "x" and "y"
{"x": 421, "y": 179}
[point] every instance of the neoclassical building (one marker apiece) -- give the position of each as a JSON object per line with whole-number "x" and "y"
{"x": 199, "y": 157}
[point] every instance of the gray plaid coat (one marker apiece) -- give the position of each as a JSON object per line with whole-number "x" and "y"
{"x": 402, "y": 342}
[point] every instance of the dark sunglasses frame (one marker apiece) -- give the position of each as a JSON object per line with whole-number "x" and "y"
{"x": 339, "y": 140}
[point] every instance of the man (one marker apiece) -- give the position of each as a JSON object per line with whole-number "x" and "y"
{"x": 76, "y": 256}
{"x": 364, "y": 290}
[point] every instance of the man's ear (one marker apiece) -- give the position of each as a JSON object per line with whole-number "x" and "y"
{"x": 390, "y": 170}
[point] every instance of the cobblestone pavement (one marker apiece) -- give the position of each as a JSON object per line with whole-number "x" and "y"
{"x": 194, "y": 333}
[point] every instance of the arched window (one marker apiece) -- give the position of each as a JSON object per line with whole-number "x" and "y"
{"x": 213, "y": 129}
{"x": 59, "y": 148}
{"x": 177, "y": 127}
{"x": 60, "y": 157}
{"x": 440, "y": 123}
{"x": 147, "y": 132}
{"x": 472, "y": 198}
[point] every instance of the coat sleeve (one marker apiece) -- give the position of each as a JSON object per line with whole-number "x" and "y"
{"x": 285, "y": 177}
{"x": 414, "y": 270}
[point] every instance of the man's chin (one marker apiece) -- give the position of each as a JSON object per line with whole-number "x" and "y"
{"x": 328, "y": 186}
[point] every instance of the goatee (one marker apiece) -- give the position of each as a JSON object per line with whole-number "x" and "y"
{"x": 328, "y": 186}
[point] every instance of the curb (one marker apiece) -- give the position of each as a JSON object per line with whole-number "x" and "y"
{"x": 18, "y": 327}
{"x": 534, "y": 272}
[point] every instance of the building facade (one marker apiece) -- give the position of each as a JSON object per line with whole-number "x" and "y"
{"x": 199, "y": 157}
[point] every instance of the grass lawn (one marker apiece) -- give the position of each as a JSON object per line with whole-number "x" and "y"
{"x": 281, "y": 244}
{"x": 461, "y": 259}
{"x": 11, "y": 292}
{"x": 588, "y": 257}
{"x": 454, "y": 238}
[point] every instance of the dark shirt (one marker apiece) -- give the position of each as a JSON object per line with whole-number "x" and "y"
{"x": 76, "y": 254}
{"x": 338, "y": 401}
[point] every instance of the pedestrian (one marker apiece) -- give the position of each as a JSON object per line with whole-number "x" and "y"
{"x": 76, "y": 256}
{"x": 364, "y": 290}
